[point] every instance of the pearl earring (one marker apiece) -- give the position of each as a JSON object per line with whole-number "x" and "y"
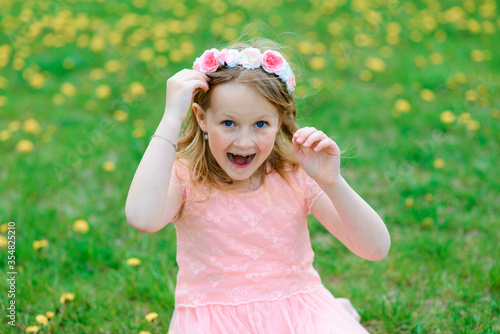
{"x": 206, "y": 135}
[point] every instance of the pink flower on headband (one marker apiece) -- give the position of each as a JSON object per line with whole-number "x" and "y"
{"x": 208, "y": 62}
{"x": 230, "y": 58}
{"x": 273, "y": 62}
{"x": 250, "y": 58}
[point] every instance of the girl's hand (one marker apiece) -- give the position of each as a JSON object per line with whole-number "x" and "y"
{"x": 318, "y": 155}
{"x": 181, "y": 88}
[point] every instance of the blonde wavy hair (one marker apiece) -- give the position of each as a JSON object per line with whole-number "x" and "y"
{"x": 192, "y": 148}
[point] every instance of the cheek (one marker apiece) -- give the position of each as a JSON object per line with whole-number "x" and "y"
{"x": 217, "y": 142}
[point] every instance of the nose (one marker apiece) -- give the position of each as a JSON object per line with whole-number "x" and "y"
{"x": 244, "y": 140}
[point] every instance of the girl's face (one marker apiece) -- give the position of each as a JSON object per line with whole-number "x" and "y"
{"x": 242, "y": 126}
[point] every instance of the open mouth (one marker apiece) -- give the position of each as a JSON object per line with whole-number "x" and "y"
{"x": 240, "y": 159}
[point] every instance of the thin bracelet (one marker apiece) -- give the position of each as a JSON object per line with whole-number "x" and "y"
{"x": 174, "y": 145}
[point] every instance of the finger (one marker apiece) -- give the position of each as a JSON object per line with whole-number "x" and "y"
{"x": 326, "y": 145}
{"x": 314, "y": 138}
{"x": 302, "y": 134}
{"x": 296, "y": 149}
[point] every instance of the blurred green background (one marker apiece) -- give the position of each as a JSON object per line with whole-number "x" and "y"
{"x": 410, "y": 91}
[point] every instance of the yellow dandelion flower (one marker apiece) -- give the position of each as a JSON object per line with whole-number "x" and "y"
{"x": 137, "y": 89}
{"x": 473, "y": 125}
{"x": 42, "y": 319}
{"x": 37, "y": 81}
{"x": 120, "y": 115}
{"x": 429, "y": 197}
{"x": 365, "y": 75}
{"x": 436, "y": 58}
{"x": 474, "y": 26}
{"x": 409, "y": 202}
{"x": 58, "y": 99}
{"x": 25, "y": 146}
{"x": 427, "y": 95}
{"x": 50, "y": 314}
{"x": 305, "y": 47}
{"x": 140, "y": 3}
{"x": 161, "y": 61}
{"x": 145, "y": 332}
{"x": 68, "y": 89}
{"x": 4, "y": 82}
{"x": 91, "y": 105}
{"x": 440, "y": 36}
{"x": 4, "y": 135}
{"x": 151, "y": 316}
{"x": 3, "y": 101}
{"x": 460, "y": 77}
{"x": 362, "y": 40}
{"x": 3, "y": 241}
{"x": 176, "y": 56}
{"x": 334, "y": 28}
{"x": 454, "y": 14}
{"x": 402, "y": 105}
{"x": 97, "y": 74}
{"x": 316, "y": 83}
{"x": 187, "y": 48}
{"x": 464, "y": 118}
{"x": 447, "y": 117}
{"x": 97, "y": 43}
{"x": 489, "y": 27}
{"x": 375, "y": 64}
{"x": 4, "y": 228}
{"x": 416, "y": 36}
{"x": 146, "y": 54}
{"x": 438, "y": 163}
{"x": 495, "y": 113}
{"x": 139, "y": 132}
{"x": 471, "y": 95}
{"x": 112, "y": 66}
{"x": 161, "y": 45}
{"x": 37, "y": 244}
{"x": 14, "y": 126}
{"x": 31, "y": 125}
{"x": 420, "y": 61}
{"x": 477, "y": 55}
{"x": 275, "y": 21}
{"x": 109, "y": 166}
{"x": 393, "y": 28}
{"x": 81, "y": 226}
{"x": 386, "y": 51}
{"x": 428, "y": 222}
{"x": 67, "y": 297}
{"x": 317, "y": 63}
{"x": 103, "y": 91}
{"x": 133, "y": 261}
{"x": 32, "y": 329}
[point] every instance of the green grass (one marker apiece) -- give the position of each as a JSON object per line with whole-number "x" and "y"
{"x": 442, "y": 273}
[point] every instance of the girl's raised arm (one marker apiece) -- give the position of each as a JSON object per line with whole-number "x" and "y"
{"x": 151, "y": 202}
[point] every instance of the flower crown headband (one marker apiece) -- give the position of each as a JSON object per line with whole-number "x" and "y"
{"x": 270, "y": 61}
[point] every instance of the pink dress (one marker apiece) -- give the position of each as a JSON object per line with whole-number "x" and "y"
{"x": 246, "y": 263}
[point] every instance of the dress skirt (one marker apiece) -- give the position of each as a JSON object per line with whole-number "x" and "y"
{"x": 303, "y": 313}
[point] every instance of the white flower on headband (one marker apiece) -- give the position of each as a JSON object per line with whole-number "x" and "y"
{"x": 271, "y": 61}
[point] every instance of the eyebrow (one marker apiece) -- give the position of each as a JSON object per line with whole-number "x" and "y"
{"x": 259, "y": 116}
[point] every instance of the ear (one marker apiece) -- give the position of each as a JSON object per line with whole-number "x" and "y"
{"x": 200, "y": 115}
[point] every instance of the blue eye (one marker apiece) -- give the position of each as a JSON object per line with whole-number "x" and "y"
{"x": 261, "y": 124}
{"x": 227, "y": 123}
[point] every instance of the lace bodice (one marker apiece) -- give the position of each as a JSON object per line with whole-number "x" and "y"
{"x": 236, "y": 248}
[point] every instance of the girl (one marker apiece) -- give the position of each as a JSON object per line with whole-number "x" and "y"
{"x": 238, "y": 184}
